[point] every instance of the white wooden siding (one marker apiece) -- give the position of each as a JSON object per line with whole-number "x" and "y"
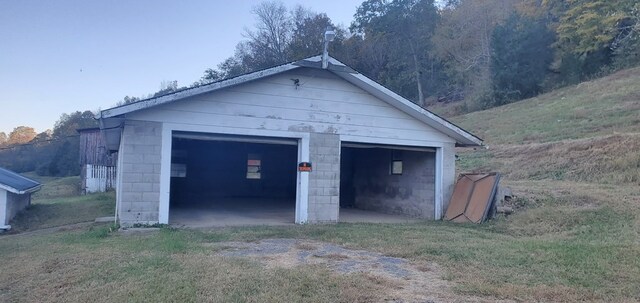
{"x": 99, "y": 178}
{"x": 321, "y": 103}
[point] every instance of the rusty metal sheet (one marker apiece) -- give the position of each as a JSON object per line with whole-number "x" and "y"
{"x": 472, "y": 197}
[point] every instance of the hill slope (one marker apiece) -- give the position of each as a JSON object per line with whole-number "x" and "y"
{"x": 601, "y": 107}
{"x": 588, "y": 132}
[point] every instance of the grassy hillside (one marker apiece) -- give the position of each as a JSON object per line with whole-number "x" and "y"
{"x": 587, "y": 133}
{"x": 606, "y": 106}
{"x": 59, "y": 203}
{"x": 54, "y": 187}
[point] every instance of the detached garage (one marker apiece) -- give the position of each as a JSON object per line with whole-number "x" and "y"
{"x": 15, "y": 195}
{"x": 296, "y": 143}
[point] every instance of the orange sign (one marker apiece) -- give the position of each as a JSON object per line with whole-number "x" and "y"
{"x": 304, "y": 166}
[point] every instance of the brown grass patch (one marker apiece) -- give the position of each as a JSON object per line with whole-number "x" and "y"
{"x": 305, "y": 246}
{"x": 333, "y": 256}
{"x": 610, "y": 159}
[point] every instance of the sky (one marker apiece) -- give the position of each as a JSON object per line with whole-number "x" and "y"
{"x": 62, "y": 56}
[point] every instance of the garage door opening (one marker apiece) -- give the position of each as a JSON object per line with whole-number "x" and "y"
{"x": 386, "y": 183}
{"x": 225, "y": 181}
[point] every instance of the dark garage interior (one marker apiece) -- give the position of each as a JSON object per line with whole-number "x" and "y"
{"x": 386, "y": 181}
{"x": 217, "y": 180}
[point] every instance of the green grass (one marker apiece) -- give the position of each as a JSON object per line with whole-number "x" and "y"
{"x": 601, "y": 107}
{"x": 58, "y": 203}
{"x": 57, "y": 187}
{"x": 52, "y": 212}
{"x": 565, "y": 247}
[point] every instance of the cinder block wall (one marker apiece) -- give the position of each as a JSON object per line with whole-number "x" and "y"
{"x": 139, "y": 193}
{"x": 324, "y": 180}
{"x": 411, "y": 194}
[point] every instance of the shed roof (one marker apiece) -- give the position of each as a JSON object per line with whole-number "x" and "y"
{"x": 462, "y": 137}
{"x": 16, "y": 183}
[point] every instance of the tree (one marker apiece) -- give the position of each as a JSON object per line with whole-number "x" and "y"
{"x": 521, "y": 55}
{"x": 592, "y": 34}
{"x": 64, "y": 159}
{"x": 21, "y": 135}
{"x": 280, "y": 35}
{"x": 167, "y": 87}
{"x": 626, "y": 45}
{"x": 68, "y": 124}
{"x": 593, "y": 25}
{"x": 127, "y": 100}
{"x": 269, "y": 40}
{"x": 265, "y": 45}
{"x": 3, "y": 138}
{"x": 308, "y": 35}
{"x": 231, "y": 67}
{"x": 462, "y": 43}
{"x": 407, "y": 26}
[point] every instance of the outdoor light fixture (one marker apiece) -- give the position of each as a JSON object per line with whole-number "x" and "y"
{"x": 329, "y": 36}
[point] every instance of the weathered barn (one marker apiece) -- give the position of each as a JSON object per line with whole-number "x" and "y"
{"x": 15, "y": 195}
{"x": 97, "y": 163}
{"x": 293, "y": 143}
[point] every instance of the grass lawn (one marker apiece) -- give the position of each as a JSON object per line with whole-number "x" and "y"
{"x": 52, "y": 212}
{"x": 58, "y": 203}
{"x": 573, "y": 242}
{"x": 54, "y": 187}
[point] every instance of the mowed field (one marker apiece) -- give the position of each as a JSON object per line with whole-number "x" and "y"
{"x": 571, "y": 157}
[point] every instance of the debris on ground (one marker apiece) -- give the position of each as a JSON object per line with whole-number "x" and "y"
{"x": 473, "y": 198}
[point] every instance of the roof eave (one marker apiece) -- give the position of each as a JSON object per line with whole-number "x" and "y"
{"x": 190, "y": 92}
{"x": 462, "y": 137}
{"x": 20, "y": 192}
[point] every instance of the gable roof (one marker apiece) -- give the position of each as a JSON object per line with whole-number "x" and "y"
{"x": 462, "y": 137}
{"x": 16, "y": 183}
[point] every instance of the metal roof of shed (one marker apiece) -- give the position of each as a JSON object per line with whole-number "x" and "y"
{"x": 16, "y": 183}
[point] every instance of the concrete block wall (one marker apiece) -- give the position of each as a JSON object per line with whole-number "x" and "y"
{"x": 138, "y": 192}
{"x": 412, "y": 193}
{"x": 324, "y": 180}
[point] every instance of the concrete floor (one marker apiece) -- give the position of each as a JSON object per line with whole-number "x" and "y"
{"x": 354, "y": 215}
{"x": 272, "y": 212}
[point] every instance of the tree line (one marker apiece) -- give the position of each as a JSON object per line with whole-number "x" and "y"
{"x": 480, "y": 54}
{"x": 484, "y": 53}
{"x": 50, "y": 153}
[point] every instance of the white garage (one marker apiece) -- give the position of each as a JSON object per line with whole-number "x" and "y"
{"x": 304, "y": 139}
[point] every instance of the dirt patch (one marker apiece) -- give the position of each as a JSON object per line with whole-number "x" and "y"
{"x": 404, "y": 280}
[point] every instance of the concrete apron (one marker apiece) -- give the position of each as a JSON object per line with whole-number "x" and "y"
{"x": 254, "y": 213}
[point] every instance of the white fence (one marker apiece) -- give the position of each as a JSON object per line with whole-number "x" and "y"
{"x": 100, "y": 178}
